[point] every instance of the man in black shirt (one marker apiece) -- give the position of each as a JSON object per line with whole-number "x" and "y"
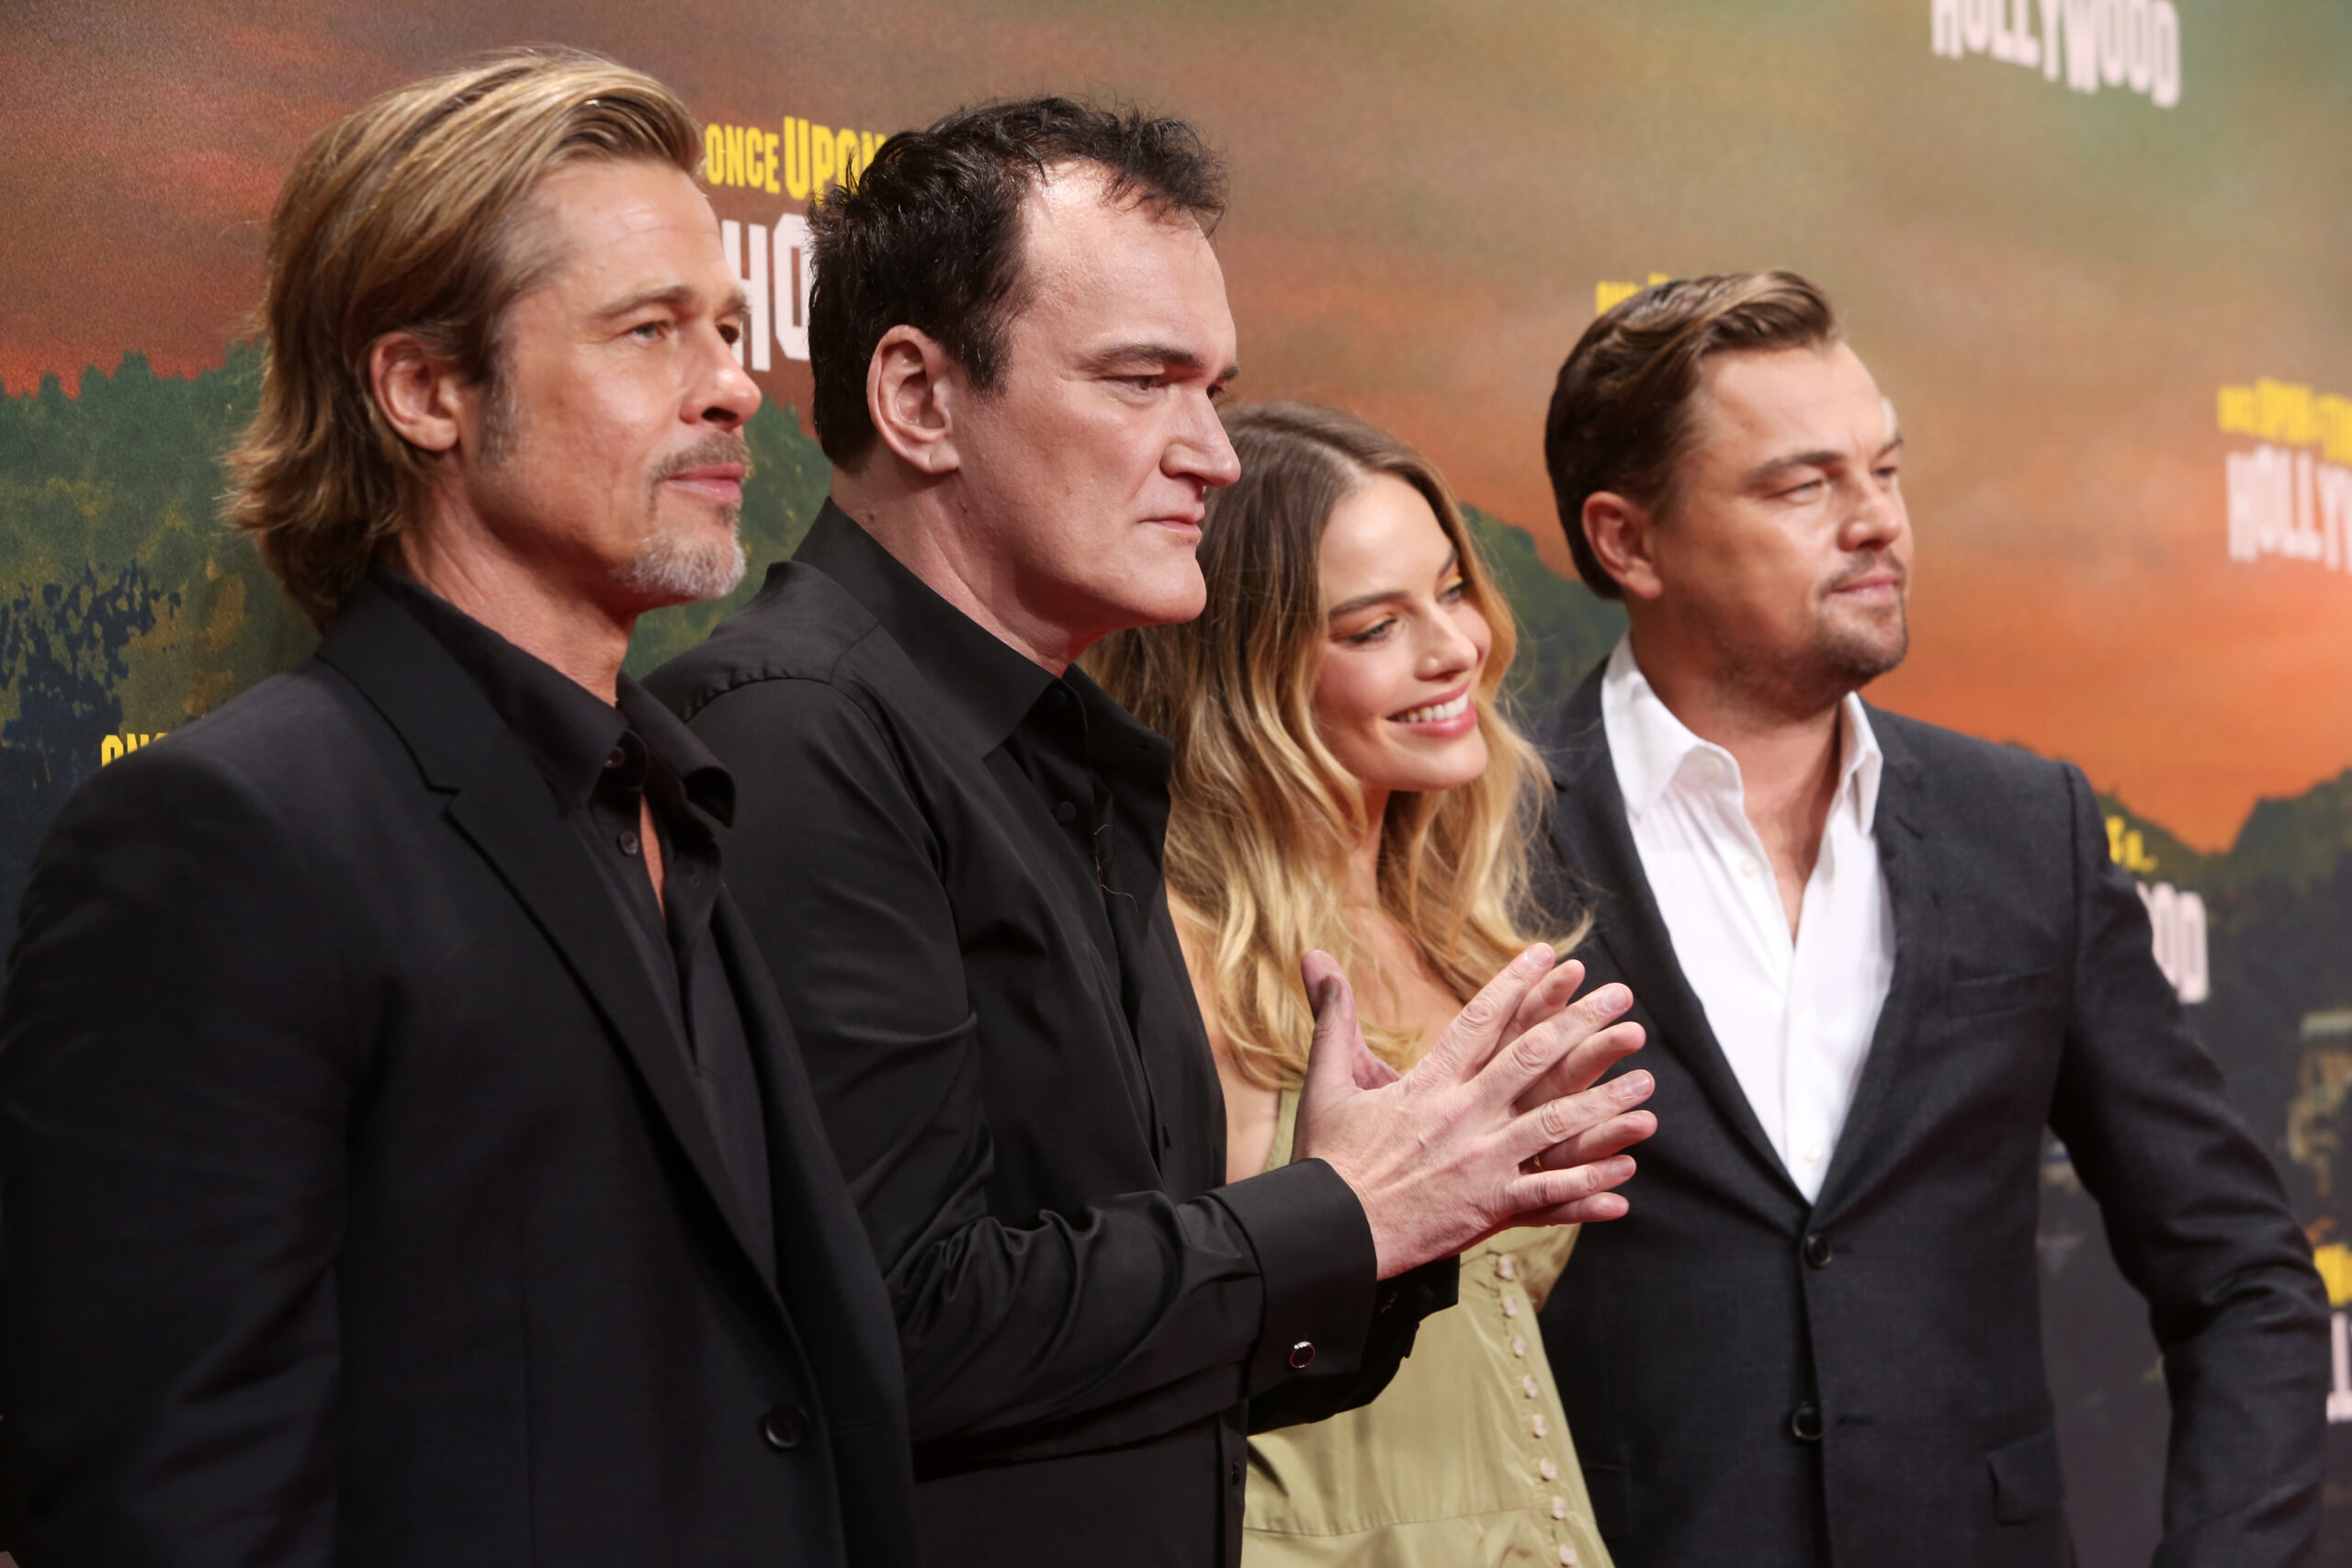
{"x": 948, "y": 840}
{"x": 406, "y": 1159}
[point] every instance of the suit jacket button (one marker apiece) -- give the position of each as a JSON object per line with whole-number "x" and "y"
{"x": 1302, "y": 1355}
{"x": 1804, "y": 1423}
{"x": 1817, "y": 1250}
{"x": 784, "y": 1428}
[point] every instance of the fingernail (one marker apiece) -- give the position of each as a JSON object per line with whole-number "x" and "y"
{"x": 1632, "y": 1086}
{"x": 1613, "y": 998}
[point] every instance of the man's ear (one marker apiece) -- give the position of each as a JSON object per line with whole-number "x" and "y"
{"x": 912, "y": 392}
{"x": 422, "y": 397}
{"x": 1619, "y": 532}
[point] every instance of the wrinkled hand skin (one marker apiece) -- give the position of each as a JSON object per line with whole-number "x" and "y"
{"x": 1500, "y": 1125}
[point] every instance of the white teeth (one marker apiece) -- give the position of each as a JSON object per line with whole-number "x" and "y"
{"x": 1437, "y": 712}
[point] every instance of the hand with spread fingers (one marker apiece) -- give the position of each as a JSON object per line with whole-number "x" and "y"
{"x": 1501, "y": 1123}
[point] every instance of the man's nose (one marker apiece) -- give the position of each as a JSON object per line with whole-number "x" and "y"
{"x": 1201, "y": 450}
{"x": 729, "y": 396}
{"x": 1876, "y": 520}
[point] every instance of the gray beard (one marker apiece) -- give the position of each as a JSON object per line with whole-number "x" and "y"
{"x": 680, "y": 571}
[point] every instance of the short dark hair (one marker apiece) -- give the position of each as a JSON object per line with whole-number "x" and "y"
{"x": 929, "y": 235}
{"x": 1621, "y": 412}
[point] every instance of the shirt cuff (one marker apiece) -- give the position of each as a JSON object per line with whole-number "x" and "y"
{"x": 1315, "y": 1260}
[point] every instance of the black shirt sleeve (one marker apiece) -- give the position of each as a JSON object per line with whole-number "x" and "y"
{"x": 1133, "y": 1314}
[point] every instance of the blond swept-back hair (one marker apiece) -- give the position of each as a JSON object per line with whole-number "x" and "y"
{"x": 1264, "y": 814}
{"x": 410, "y": 214}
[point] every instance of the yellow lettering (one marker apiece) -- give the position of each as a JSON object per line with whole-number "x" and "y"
{"x": 2334, "y": 1262}
{"x": 1607, "y": 294}
{"x": 822, "y": 166}
{"x": 796, "y": 158}
{"x": 2115, "y": 839}
{"x": 767, "y": 146}
{"x": 2286, "y": 412}
{"x": 1659, "y": 277}
{"x": 735, "y": 155}
{"x": 110, "y": 749}
{"x": 714, "y": 155}
{"x": 2237, "y": 411}
{"x": 868, "y": 142}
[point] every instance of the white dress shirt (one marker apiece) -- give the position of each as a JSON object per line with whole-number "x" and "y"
{"x": 1794, "y": 1017}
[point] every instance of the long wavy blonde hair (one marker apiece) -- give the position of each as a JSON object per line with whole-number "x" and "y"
{"x": 1265, "y": 816}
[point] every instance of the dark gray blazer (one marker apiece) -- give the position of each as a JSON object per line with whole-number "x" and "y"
{"x": 1751, "y": 1379}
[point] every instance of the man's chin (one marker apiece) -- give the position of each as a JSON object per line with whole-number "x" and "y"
{"x": 669, "y": 570}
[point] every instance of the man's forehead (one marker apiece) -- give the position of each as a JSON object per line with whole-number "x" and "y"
{"x": 1805, "y": 396}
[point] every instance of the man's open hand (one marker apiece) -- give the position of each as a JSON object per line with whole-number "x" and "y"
{"x": 1497, "y": 1125}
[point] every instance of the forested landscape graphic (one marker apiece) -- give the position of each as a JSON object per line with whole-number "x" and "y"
{"x": 127, "y": 609}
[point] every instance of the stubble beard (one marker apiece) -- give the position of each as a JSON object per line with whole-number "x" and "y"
{"x": 677, "y": 566}
{"x": 1848, "y": 648}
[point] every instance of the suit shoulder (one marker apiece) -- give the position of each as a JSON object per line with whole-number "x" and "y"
{"x": 272, "y": 740}
{"x": 801, "y": 625}
{"x": 1964, "y": 772}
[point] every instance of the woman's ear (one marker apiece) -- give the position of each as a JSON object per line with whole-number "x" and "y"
{"x": 913, "y": 393}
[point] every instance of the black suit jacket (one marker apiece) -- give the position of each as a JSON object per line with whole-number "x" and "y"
{"x": 996, "y": 1015}
{"x": 359, "y": 1206}
{"x": 1751, "y": 1379}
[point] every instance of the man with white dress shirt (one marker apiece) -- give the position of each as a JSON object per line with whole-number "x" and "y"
{"x": 1876, "y": 959}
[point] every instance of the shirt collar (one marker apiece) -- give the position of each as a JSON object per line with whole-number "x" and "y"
{"x": 566, "y": 730}
{"x": 1653, "y": 750}
{"x": 987, "y": 680}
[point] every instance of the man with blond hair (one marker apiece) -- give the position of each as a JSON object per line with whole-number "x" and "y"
{"x": 405, "y": 1158}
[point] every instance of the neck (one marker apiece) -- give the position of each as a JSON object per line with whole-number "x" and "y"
{"x": 526, "y": 602}
{"x": 927, "y": 526}
{"x": 1787, "y": 748}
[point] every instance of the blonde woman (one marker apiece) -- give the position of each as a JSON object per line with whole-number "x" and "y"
{"x": 1344, "y": 781}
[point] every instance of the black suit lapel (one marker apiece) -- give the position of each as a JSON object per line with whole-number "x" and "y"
{"x": 1591, "y": 830}
{"x": 1911, "y": 895}
{"x": 501, "y": 803}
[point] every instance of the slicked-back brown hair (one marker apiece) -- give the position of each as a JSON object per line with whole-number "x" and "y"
{"x": 411, "y": 215}
{"x": 1621, "y": 412}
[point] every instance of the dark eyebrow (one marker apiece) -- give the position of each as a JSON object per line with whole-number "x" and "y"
{"x": 1366, "y": 600}
{"x": 1155, "y": 353}
{"x": 1823, "y": 457}
{"x": 672, "y": 295}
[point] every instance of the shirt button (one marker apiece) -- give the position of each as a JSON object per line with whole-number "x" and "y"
{"x": 1547, "y": 1469}
{"x": 1504, "y": 1268}
{"x": 616, "y": 758}
{"x": 1804, "y": 1423}
{"x": 1540, "y": 1426}
{"x": 1233, "y": 1473}
{"x": 1518, "y": 1345}
{"x": 1066, "y": 812}
{"x": 1559, "y": 1507}
{"x": 1302, "y": 1355}
{"x": 1527, "y": 1385}
{"x": 1817, "y": 1250}
{"x": 1568, "y": 1555}
{"x": 627, "y": 839}
{"x": 784, "y": 1428}
{"x": 1813, "y": 1154}
{"x": 1747, "y": 868}
{"x": 1510, "y": 1306}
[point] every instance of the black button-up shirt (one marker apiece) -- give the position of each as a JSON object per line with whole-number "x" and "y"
{"x": 951, "y": 858}
{"x": 603, "y": 764}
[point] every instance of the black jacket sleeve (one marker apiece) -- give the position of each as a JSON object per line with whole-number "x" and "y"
{"x": 178, "y": 1062}
{"x": 1128, "y": 1315}
{"x": 2199, "y": 1225}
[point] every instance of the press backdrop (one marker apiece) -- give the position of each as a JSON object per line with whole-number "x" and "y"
{"x": 2097, "y": 250}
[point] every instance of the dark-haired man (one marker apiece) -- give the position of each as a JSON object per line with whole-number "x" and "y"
{"x": 1877, "y": 959}
{"x": 406, "y": 1160}
{"x": 948, "y": 839}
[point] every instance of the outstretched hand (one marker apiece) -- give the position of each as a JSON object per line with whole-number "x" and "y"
{"x": 1499, "y": 1125}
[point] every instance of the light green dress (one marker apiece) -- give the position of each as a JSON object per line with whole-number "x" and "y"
{"x": 1464, "y": 1461}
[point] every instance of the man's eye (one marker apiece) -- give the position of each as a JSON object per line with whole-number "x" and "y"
{"x": 649, "y": 332}
{"x": 730, "y": 332}
{"x": 1804, "y": 491}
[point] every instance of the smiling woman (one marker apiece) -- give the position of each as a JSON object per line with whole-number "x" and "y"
{"x": 1343, "y": 780}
